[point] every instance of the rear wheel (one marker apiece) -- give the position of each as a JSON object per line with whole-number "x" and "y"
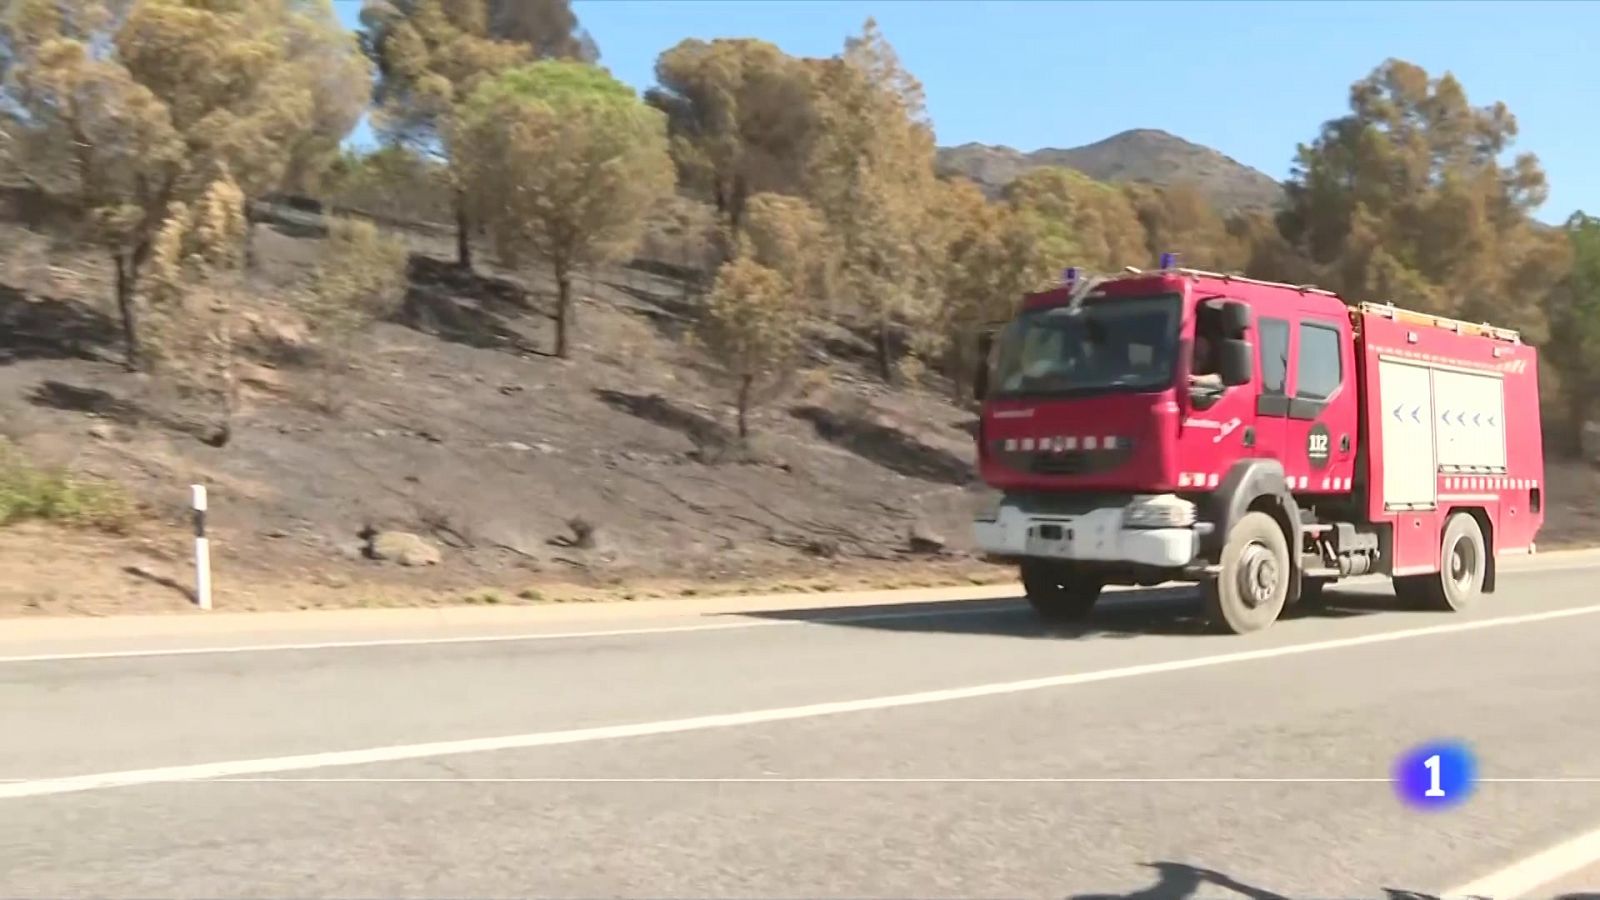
{"x": 1248, "y": 595}
{"x": 1463, "y": 563}
{"x": 1059, "y": 592}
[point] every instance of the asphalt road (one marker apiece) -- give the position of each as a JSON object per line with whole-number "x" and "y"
{"x": 952, "y": 749}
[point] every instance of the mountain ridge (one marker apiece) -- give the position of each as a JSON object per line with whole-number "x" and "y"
{"x": 1136, "y": 156}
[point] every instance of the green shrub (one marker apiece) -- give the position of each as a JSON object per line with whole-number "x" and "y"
{"x": 29, "y": 492}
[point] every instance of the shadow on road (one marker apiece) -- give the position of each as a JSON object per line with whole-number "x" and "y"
{"x": 1122, "y": 614}
{"x": 1176, "y": 881}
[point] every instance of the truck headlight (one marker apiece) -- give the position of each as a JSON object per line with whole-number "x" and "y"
{"x": 1158, "y": 511}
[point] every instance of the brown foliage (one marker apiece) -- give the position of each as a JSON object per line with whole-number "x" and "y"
{"x": 1405, "y": 199}
{"x": 750, "y": 331}
{"x": 562, "y": 163}
{"x": 431, "y": 54}
{"x": 1079, "y": 220}
{"x": 739, "y": 112}
{"x": 123, "y": 116}
{"x": 1181, "y": 219}
{"x": 870, "y": 174}
{"x": 788, "y": 235}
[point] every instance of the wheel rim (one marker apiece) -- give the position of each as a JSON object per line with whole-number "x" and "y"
{"x": 1257, "y": 576}
{"x": 1463, "y": 563}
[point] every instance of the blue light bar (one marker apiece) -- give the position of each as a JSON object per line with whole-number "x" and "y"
{"x": 1070, "y": 276}
{"x": 1168, "y": 260}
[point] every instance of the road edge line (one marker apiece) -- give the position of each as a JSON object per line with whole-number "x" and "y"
{"x": 517, "y": 637}
{"x": 1533, "y": 872}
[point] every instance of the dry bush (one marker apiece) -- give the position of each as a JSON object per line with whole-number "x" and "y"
{"x": 193, "y": 292}
{"x": 813, "y": 382}
{"x": 911, "y": 370}
{"x": 361, "y": 279}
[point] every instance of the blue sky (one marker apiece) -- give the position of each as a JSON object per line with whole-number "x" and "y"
{"x": 1251, "y": 79}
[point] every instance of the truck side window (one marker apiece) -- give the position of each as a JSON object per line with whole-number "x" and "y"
{"x": 1318, "y": 373}
{"x": 1274, "y": 350}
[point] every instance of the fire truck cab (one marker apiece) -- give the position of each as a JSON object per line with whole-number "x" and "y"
{"x": 1260, "y": 439}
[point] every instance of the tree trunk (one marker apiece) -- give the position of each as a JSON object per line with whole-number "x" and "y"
{"x": 463, "y": 232}
{"x": 746, "y": 382}
{"x": 563, "y": 310}
{"x": 249, "y": 236}
{"x": 885, "y": 370}
{"x": 127, "y": 281}
{"x": 1577, "y": 419}
{"x": 736, "y": 209}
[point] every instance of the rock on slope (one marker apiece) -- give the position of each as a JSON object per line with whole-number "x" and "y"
{"x": 1143, "y": 156}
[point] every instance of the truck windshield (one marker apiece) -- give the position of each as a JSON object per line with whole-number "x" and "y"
{"x": 1110, "y": 344}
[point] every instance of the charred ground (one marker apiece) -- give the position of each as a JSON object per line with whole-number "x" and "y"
{"x": 450, "y": 421}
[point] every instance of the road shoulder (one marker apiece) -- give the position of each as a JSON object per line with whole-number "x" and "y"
{"x": 44, "y": 635}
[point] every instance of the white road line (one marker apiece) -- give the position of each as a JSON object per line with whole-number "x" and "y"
{"x": 991, "y": 607}
{"x": 844, "y": 780}
{"x": 775, "y": 780}
{"x": 841, "y": 780}
{"x": 932, "y": 610}
{"x": 303, "y": 762}
{"x": 1525, "y": 876}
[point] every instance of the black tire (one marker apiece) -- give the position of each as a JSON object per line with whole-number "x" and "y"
{"x": 1249, "y": 593}
{"x": 1058, "y": 592}
{"x": 1463, "y": 565}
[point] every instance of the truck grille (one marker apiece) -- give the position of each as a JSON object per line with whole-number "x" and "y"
{"x": 1068, "y": 462}
{"x": 1064, "y": 462}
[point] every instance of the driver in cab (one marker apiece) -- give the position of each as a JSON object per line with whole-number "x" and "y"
{"x": 1203, "y": 373}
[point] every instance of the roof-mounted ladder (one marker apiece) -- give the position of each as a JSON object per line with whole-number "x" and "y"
{"x": 1484, "y": 329}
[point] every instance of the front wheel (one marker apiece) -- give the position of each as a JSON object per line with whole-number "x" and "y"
{"x": 1463, "y": 563}
{"x": 1249, "y": 593}
{"x": 1057, "y": 591}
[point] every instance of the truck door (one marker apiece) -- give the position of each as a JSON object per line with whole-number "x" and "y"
{"x": 1272, "y": 404}
{"x": 1317, "y": 444}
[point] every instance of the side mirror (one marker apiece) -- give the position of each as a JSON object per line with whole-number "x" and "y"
{"x": 1235, "y": 362}
{"x": 1223, "y": 318}
{"x": 980, "y": 377}
{"x": 1235, "y": 318}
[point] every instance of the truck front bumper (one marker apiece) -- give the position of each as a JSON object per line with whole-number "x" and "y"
{"x": 1097, "y": 535}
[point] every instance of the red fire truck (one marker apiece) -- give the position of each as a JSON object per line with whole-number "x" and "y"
{"x": 1260, "y": 439}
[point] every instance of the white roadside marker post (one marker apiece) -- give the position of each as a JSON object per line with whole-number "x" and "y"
{"x": 202, "y": 549}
